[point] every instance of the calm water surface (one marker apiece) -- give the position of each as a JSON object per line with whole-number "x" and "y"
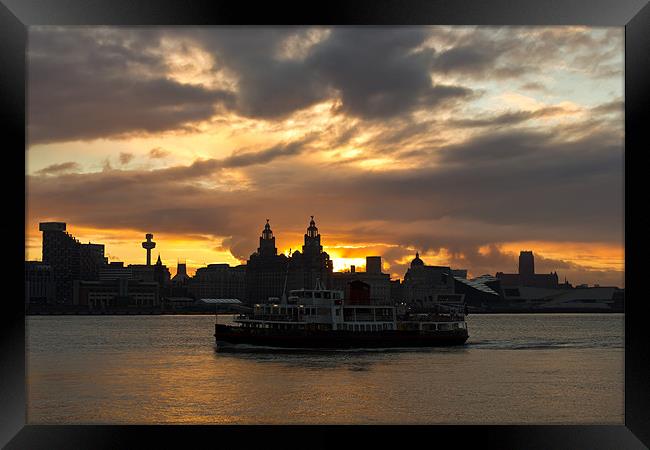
{"x": 515, "y": 369}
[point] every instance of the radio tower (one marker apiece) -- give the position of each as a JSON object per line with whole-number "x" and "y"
{"x": 148, "y": 244}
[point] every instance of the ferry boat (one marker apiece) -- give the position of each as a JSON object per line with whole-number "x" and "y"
{"x": 321, "y": 319}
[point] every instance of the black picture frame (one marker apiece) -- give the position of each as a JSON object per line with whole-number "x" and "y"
{"x": 17, "y": 15}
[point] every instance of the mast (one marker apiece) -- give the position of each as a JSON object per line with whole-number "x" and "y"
{"x": 283, "y": 299}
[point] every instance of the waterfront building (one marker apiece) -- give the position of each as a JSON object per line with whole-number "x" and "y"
{"x": 115, "y": 270}
{"x": 39, "y": 283}
{"x": 180, "y": 278}
{"x": 459, "y": 273}
{"x": 161, "y": 274}
{"x": 592, "y": 299}
{"x": 157, "y": 272}
{"x": 312, "y": 265}
{"x": 266, "y": 271}
{"x": 379, "y": 283}
{"x": 424, "y": 285}
{"x": 357, "y": 293}
{"x": 69, "y": 259}
{"x": 527, "y": 276}
{"x": 481, "y": 293}
{"x": 396, "y": 293}
{"x": 373, "y": 264}
{"x": 178, "y": 287}
{"x": 218, "y": 281}
{"x": 116, "y": 293}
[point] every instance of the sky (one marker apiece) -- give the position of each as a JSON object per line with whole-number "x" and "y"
{"x": 466, "y": 144}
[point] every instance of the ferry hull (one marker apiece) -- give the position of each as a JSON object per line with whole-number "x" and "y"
{"x": 227, "y": 336}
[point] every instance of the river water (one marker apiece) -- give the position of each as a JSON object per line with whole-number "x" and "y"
{"x": 515, "y": 369}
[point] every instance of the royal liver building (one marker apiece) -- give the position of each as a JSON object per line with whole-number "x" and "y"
{"x": 270, "y": 275}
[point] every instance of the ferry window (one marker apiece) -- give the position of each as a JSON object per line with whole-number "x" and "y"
{"x": 338, "y": 312}
{"x": 317, "y": 295}
{"x": 326, "y": 294}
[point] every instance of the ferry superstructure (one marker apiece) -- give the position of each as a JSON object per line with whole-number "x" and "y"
{"x": 322, "y": 318}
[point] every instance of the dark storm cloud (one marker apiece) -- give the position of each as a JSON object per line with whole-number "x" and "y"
{"x": 378, "y": 73}
{"x": 86, "y": 84}
{"x": 267, "y": 87}
{"x": 375, "y": 73}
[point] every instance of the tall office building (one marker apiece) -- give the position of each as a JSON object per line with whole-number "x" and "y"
{"x": 69, "y": 259}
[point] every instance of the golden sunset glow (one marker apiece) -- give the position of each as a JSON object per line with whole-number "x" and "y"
{"x": 396, "y": 140}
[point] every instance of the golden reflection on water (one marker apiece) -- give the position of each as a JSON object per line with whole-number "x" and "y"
{"x": 174, "y": 375}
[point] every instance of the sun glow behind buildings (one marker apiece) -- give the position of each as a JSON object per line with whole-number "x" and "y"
{"x": 410, "y": 166}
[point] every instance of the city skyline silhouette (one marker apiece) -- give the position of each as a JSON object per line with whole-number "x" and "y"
{"x": 448, "y": 140}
